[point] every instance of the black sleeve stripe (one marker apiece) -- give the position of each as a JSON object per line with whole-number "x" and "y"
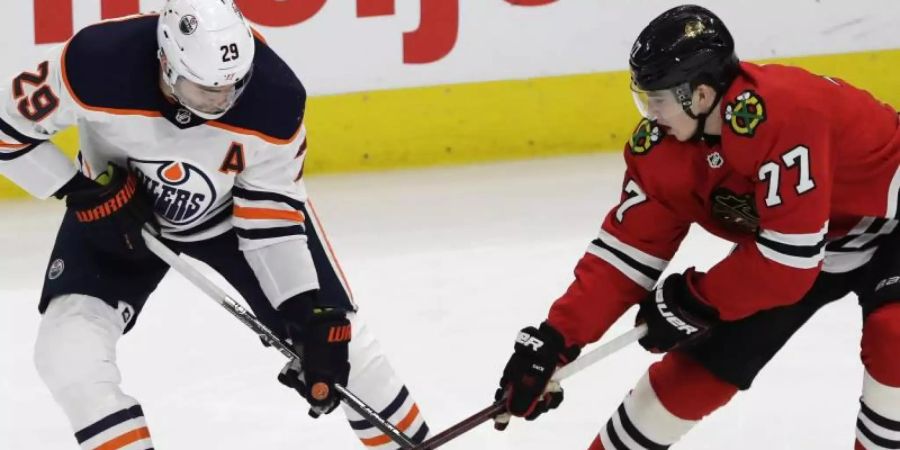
{"x": 9, "y": 156}
{"x": 800, "y": 251}
{"x": 15, "y": 134}
{"x": 269, "y": 233}
{"x": 839, "y": 245}
{"x": 246, "y": 194}
{"x": 869, "y": 233}
{"x": 648, "y": 271}
{"x": 877, "y": 224}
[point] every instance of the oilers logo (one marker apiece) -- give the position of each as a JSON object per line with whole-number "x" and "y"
{"x": 181, "y": 193}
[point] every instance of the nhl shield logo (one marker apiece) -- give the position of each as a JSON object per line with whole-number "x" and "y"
{"x": 127, "y": 312}
{"x": 188, "y": 24}
{"x": 182, "y": 116}
{"x": 56, "y": 269}
{"x": 715, "y": 160}
{"x": 181, "y": 193}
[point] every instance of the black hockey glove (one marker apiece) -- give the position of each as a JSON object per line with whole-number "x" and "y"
{"x": 321, "y": 337}
{"x": 538, "y": 352}
{"x": 675, "y": 317}
{"x": 112, "y": 210}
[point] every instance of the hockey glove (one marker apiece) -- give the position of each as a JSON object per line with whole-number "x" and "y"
{"x": 538, "y": 351}
{"x": 321, "y": 337}
{"x": 111, "y": 210}
{"x": 675, "y": 316}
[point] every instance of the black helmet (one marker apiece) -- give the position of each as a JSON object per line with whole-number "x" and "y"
{"x": 686, "y": 44}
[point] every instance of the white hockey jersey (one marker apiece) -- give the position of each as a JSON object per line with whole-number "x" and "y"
{"x": 243, "y": 170}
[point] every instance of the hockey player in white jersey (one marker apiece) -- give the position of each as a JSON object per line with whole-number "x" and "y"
{"x": 188, "y": 121}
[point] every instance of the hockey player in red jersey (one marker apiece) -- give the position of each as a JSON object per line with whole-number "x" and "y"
{"x": 800, "y": 171}
{"x": 202, "y": 124}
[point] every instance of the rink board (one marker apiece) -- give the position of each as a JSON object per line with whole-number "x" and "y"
{"x": 501, "y": 120}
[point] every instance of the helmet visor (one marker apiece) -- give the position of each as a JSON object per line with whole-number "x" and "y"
{"x": 212, "y": 101}
{"x": 656, "y": 105}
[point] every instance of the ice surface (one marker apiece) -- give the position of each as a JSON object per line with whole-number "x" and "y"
{"x": 447, "y": 264}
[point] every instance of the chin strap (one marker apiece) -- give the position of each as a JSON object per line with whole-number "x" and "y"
{"x": 699, "y": 135}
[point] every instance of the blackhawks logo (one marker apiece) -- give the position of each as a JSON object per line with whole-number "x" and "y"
{"x": 645, "y": 136}
{"x": 746, "y": 113}
{"x": 736, "y": 212}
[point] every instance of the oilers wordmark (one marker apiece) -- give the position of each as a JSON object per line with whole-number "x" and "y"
{"x": 181, "y": 193}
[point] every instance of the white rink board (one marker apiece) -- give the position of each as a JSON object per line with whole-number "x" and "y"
{"x": 335, "y": 51}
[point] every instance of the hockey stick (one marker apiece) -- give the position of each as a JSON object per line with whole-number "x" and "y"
{"x": 247, "y": 318}
{"x": 564, "y": 372}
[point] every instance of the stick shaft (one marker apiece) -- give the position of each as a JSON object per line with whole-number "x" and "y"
{"x": 462, "y": 427}
{"x": 238, "y": 311}
{"x": 564, "y": 372}
{"x": 591, "y": 357}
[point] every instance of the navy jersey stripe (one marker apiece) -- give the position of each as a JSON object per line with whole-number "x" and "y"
{"x": 10, "y": 131}
{"x": 385, "y": 413}
{"x": 269, "y": 233}
{"x": 247, "y": 194}
{"x": 8, "y": 156}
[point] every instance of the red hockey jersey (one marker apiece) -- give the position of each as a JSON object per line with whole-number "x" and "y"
{"x": 805, "y": 179}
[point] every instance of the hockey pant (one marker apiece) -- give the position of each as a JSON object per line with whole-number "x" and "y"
{"x": 75, "y": 355}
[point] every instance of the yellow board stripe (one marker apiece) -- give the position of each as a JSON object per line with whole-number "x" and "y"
{"x": 511, "y": 119}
